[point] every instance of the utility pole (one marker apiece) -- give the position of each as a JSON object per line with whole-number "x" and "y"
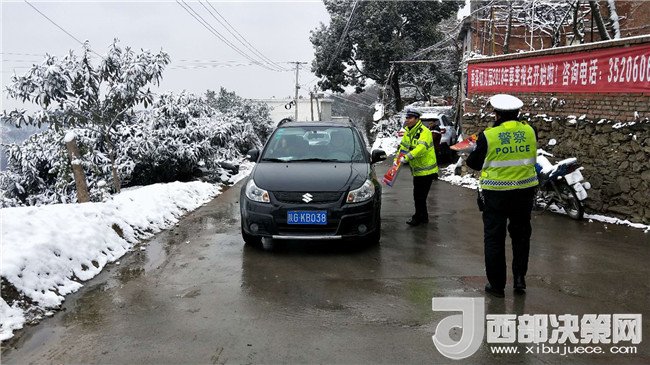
{"x": 295, "y": 99}
{"x": 420, "y": 61}
{"x": 311, "y": 104}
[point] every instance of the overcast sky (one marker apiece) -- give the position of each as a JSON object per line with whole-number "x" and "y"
{"x": 278, "y": 30}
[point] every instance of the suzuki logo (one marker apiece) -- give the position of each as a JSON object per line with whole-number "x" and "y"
{"x": 307, "y": 197}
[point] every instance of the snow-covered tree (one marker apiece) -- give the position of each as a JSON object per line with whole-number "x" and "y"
{"x": 542, "y": 19}
{"x": 598, "y": 19}
{"x": 72, "y": 92}
{"x": 614, "y": 19}
{"x": 358, "y": 107}
{"x": 364, "y": 37}
{"x": 547, "y": 17}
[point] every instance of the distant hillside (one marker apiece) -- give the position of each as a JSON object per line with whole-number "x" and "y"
{"x": 10, "y": 134}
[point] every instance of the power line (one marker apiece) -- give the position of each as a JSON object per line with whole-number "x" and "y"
{"x": 207, "y": 61}
{"x": 194, "y": 67}
{"x": 350, "y": 101}
{"x": 23, "y": 54}
{"x": 308, "y": 83}
{"x": 216, "y": 33}
{"x": 361, "y": 98}
{"x": 241, "y": 38}
{"x": 60, "y": 27}
{"x": 211, "y": 29}
{"x": 421, "y": 61}
{"x": 21, "y": 61}
{"x": 449, "y": 37}
{"x": 345, "y": 32}
{"x": 231, "y": 33}
{"x": 13, "y": 69}
{"x": 338, "y": 46}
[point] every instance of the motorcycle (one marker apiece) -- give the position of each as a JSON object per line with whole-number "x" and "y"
{"x": 561, "y": 184}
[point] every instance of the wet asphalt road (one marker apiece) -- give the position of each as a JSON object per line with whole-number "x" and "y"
{"x": 197, "y": 295}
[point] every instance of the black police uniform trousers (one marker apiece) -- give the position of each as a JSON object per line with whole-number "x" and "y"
{"x": 510, "y": 208}
{"x": 421, "y": 187}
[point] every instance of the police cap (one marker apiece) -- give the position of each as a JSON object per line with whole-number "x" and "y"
{"x": 506, "y": 102}
{"x": 412, "y": 113}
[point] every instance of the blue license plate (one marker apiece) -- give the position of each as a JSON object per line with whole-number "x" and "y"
{"x": 318, "y": 217}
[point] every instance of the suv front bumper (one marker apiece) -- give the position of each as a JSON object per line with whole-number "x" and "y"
{"x": 343, "y": 220}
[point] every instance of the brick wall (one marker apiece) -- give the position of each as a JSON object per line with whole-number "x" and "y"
{"x": 633, "y": 21}
{"x": 611, "y": 107}
{"x": 608, "y": 133}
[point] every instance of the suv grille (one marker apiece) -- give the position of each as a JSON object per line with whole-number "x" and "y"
{"x": 296, "y": 198}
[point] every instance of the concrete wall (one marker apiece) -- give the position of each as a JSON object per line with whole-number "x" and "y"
{"x": 609, "y": 133}
{"x": 305, "y": 106}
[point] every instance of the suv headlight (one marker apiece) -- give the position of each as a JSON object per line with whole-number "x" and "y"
{"x": 365, "y": 192}
{"x": 256, "y": 194}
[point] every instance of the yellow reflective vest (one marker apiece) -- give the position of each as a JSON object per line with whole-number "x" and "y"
{"x": 417, "y": 144}
{"x": 511, "y": 155}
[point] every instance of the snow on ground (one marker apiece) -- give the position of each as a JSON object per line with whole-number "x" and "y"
{"x": 48, "y": 251}
{"x": 605, "y": 219}
{"x": 466, "y": 181}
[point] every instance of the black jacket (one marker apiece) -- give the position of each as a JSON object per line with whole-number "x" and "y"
{"x": 476, "y": 159}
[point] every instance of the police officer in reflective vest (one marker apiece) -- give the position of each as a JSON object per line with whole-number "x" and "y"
{"x": 417, "y": 144}
{"x": 505, "y": 154}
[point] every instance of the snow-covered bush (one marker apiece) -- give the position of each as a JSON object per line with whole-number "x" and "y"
{"x": 163, "y": 152}
{"x": 257, "y": 114}
{"x": 39, "y": 171}
{"x": 179, "y": 138}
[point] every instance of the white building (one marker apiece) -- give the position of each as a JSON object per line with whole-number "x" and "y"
{"x": 316, "y": 109}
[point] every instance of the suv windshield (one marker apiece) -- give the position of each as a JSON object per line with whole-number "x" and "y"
{"x": 317, "y": 143}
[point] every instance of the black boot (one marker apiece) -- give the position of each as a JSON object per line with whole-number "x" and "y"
{"x": 519, "y": 283}
{"x": 499, "y": 293}
{"x": 413, "y": 222}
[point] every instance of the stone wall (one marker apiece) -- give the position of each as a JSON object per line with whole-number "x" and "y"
{"x": 608, "y": 133}
{"x": 615, "y": 157}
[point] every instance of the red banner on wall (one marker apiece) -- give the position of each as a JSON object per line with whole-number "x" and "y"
{"x": 611, "y": 70}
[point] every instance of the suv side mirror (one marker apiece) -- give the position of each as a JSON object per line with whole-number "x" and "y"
{"x": 378, "y": 155}
{"x": 253, "y": 155}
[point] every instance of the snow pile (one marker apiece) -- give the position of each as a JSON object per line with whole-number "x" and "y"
{"x": 11, "y": 319}
{"x": 605, "y": 219}
{"x": 69, "y": 137}
{"x": 48, "y": 250}
{"x": 466, "y": 181}
{"x": 620, "y": 125}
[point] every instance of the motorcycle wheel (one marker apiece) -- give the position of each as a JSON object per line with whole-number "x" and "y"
{"x": 570, "y": 202}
